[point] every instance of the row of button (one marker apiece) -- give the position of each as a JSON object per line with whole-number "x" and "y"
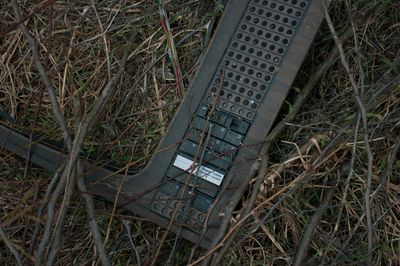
{"x": 193, "y": 149}
{"x": 201, "y": 202}
{"x": 166, "y": 206}
{"x": 220, "y": 132}
{"x": 224, "y": 120}
{"x": 215, "y": 145}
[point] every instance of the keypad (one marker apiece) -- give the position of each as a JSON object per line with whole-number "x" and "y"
{"x": 230, "y": 104}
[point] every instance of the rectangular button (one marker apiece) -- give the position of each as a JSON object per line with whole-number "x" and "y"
{"x": 219, "y": 117}
{"x": 239, "y": 126}
{"x": 221, "y": 163}
{"x": 228, "y": 121}
{"x": 206, "y": 188}
{"x": 221, "y": 146}
{"x": 202, "y": 111}
{"x": 210, "y": 157}
{"x": 195, "y": 135}
{"x": 170, "y": 188}
{"x": 202, "y": 203}
{"x": 233, "y": 138}
{"x": 217, "y": 130}
{"x": 177, "y": 174}
{"x": 199, "y": 123}
{"x": 191, "y": 148}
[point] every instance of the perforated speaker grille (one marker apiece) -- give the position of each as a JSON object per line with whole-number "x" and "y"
{"x": 254, "y": 55}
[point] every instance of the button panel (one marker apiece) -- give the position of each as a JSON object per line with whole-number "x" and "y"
{"x": 168, "y": 206}
{"x": 219, "y": 126}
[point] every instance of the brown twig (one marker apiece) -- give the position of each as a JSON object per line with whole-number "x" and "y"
{"x": 68, "y": 174}
{"x": 64, "y": 130}
{"x": 364, "y": 120}
{"x": 55, "y": 246}
{"x": 90, "y": 211}
{"x": 42, "y": 72}
{"x": 41, "y": 93}
{"x": 50, "y": 217}
{"x": 388, "y": 171}
{"x": 89, "y": 203}
{"x": 10, "y": 246}
{"x": 128, "y": 231}
{"x": 103, "y": 34}
{"x": 312, "y": 82}
{"x": 49, "y": 189}
{"x": 308, "y": 233}
{"x": 347, "y": 186}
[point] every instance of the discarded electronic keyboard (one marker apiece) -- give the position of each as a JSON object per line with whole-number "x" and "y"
{"x": 215, "y": 136}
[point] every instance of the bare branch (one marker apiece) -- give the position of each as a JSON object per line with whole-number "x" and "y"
{"x": 128, "y": 230}
{"x": 364, "y": 120}
{"x": 42, "y": 72}
{"x": 90, "y": 210}
{"x": 49, "y": 189}
{"x": 70, "y": 180}
{"x": 103, "y": 34}
{"x": 10, "y": 246}
{"x": 50, "y": 217}
{"x": 308, "y": 233}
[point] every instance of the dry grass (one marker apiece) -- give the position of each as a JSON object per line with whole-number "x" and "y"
{"x": 80, "y": 58}
{"x": 312, "y": 156}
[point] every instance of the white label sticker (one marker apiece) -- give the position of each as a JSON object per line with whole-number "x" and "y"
{"x": 183, "y": 163}
{"x": 204, "y": 172}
